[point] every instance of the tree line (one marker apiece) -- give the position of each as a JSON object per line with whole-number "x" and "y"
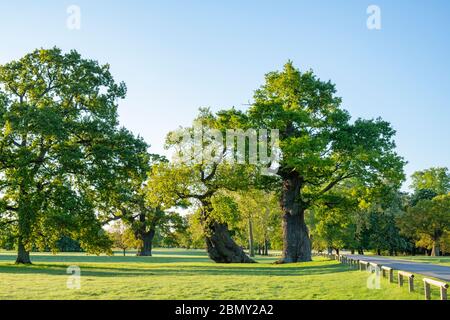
{"x": 67, "y": 170}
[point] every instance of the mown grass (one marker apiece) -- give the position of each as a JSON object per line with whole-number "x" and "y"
{"x": 186, "y": 274}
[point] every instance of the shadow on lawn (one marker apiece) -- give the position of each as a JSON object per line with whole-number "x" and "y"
{"x": 209, "y": 269}
{"x": 158, "y": 257}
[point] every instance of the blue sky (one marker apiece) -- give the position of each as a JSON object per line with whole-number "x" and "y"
{"x": 177, "y": 56}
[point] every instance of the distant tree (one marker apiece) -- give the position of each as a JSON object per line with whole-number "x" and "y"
{"x": 435, "y": 179}
{"x": 191, "y": 234}
{"x": 359, "y": 218}
{"x": 168, "y": 230}
{"x": 7, "y": 238}
{"x": 123, "y": 237}
{"x": 60, "y": 148}
{"x": 429, "y": 221}
{"x": 257, "y": 211}
{"x": 383, "y": 232}
{"x": 422, "y": 194}
{"x": 331, "y": 230}
{"x": 127, "y": 200}
{"x": 67, "y": 244}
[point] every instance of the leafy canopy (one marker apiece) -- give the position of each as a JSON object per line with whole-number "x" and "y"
{"x": 61, "y": 148}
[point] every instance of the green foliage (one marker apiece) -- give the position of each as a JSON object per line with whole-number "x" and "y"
{"x": 435, "y": 179}
{"x": 428, "y": 222}
{"x": 123, "y": 237}
{"x": 422, "y": 194}
{"x": 169, "y": 230}
{"x": 191, "y": 234}
{"x": 172, "y": 274}
{"x": 262, "y": 210}
{"x": 61, "y": 150}
{"x": 317, "y": 140}
{"x": 66, "y": 244}
{"x": 357, "y": 218}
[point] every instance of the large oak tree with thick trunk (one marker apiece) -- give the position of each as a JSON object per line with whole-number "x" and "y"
{"x": 173, "y": 182}
{"x": 320, "y": 147}
{"x": 220, "y": 245}
{"x": 199, "y": 180}
{"x": 60, "y": 148}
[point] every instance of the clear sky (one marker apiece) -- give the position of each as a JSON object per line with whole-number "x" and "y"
{"x": 177, "y": 56}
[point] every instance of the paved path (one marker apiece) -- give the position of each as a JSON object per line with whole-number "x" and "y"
{"x": 427, "y": 269}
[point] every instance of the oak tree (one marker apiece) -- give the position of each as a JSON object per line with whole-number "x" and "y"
{"x": 61, "y": 148}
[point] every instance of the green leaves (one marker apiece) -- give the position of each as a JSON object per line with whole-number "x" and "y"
{"x": 428, "y": 217}
{"x": 61, "y": 148}
{"x": 435, "y": 179}
{"x": 317, "y": 139}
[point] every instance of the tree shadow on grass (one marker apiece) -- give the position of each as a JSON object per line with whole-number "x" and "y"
{"x": 180, "y": 270}
{"x": 84, "y": 258}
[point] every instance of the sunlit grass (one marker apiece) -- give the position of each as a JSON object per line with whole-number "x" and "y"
{"x": 186, "y": 274}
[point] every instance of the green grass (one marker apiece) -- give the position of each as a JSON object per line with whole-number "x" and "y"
{"x": 186, "y": 274}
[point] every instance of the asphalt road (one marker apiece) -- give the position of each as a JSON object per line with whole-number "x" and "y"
{"x": 427, "y": 269}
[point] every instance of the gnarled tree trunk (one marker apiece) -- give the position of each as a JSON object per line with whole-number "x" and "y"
{"x": 221, "y": 247}
{"x": 219, "y": 244}
{"x": 23, "y": 256}
{"x": 296, "y": 242}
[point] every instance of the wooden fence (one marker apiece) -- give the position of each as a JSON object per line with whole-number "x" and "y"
{"x": 389, "y": 272}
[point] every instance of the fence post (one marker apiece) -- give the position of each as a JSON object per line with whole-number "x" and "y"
{"x": 411, "y": 283}
{"x": 442, "y": 287}
{"x": 443, "y": 293}
{"x": 410, "y": 276}
{"x": 427, "y": 288}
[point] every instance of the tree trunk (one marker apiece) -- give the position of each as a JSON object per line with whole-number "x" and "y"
{"x": 221, "y": 247}
{"x": 296, "y": 242}
{"x": 23, "y": 256}
{"x": 337, "y": 251}
{"x": 147, "y": 242}
{"x": 436, "y": 250}
{"x": 124, "y": 252}
{"x": 250, "y": 238}
{"x": 266, "y": 247}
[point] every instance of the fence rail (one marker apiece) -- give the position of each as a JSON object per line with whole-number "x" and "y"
{"x": 427, "y": 287}
{"x": 410, "y": 276}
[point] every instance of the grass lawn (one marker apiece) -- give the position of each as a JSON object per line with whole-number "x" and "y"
{"x": 186, "y": 274}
